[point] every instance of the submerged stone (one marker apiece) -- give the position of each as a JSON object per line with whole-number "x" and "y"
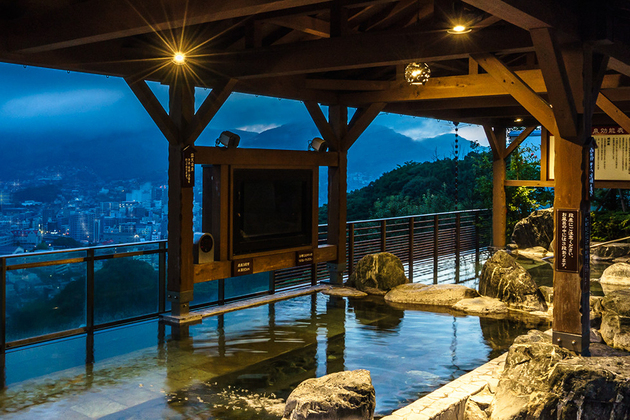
{"x": 344, "y": 292}
{"x": 503, "y": 278}
{"x": 435, "y": 294}
{"x": 610, "y": 251}
{"x": 615, "y": 328}
{"x": 345, "y": 395}
{"x": 379, "y": 272}
{"x": 482, "y": 305}
{"x": 615, "y": 277}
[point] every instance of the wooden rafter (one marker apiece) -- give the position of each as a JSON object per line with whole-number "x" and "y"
{"x": 496, "y": 145}
{"x": 306, "y": 24}
{"x": 321, "y": 122}
{"x": 557, "y": 81}
{"x": 613, "y": 112}
{"x": 515, "y": 86}
{"x": 400, "y": 8}
{"x": 620, "y": 66}
{"x": 209, "y": 108}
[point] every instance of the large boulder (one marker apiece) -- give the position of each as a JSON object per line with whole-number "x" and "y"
{"x": 503, "y": 278}
{"x": 435, "y": 294}
{"x": 377, "y": 272}
{"x": 610, "y": 251}
{"x": 345, "y": 395}
{"x": 543, "y": 381}
{"x": 615, "y": 328}
{"x": 615, "y": 277}
{"x": 534, "y": 230}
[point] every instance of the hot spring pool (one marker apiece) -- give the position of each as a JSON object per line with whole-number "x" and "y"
{"x": 243, "y": 364}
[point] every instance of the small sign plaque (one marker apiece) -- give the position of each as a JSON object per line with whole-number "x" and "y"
{"x": 567, "y": 222}
{"x": 304, "y": 257}
{"x": 243, "y": 267}
{"x": 188, "y": 167}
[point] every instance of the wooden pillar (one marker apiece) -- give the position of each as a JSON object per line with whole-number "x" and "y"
{"x": 180, "y": 278}
{"x": 496, "y": 139}
{"x": 337, "y": 186}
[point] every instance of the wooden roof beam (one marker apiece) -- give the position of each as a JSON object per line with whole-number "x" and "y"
{"x": 515, "y": 86}
{"x": 306, "y": 24}
{"x": 613, "y": 112}
{"x": 497, "y": 143}
{"x": 322, "y": 124}
{"x": 208, "y": 109}
{"x": 155, "y": 110}
{"x": 557, "y": 81}
{"x": 517, "y": 141}
{"x": 361, "y": 120}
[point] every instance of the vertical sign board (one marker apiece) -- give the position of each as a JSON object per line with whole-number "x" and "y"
{"x": 188, "y": 167}
{"x": 567, "y": 239}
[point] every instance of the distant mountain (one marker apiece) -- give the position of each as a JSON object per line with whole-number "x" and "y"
{"x": 144, "y": 155}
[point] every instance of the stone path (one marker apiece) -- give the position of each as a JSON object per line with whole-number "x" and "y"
{"x": 449, "y": 401}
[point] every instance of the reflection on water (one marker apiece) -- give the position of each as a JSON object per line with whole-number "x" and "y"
{"x": 244, "y": 364}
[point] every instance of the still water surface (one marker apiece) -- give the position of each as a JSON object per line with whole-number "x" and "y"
{"x": 243, "y": 364}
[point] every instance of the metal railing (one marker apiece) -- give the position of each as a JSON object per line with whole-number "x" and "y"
{"x": 427, "y": 244}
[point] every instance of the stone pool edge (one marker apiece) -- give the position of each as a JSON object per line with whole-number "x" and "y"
{"x": 449, "y": 401}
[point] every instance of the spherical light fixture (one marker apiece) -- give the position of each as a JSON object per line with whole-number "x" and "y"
{"x": 179, "y": 58}
{"x": 417, "y": 73}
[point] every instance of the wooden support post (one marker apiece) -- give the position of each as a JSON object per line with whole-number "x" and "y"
{"x": 337, "y": 186}
{"x": 180, "y": 279}
{"x": 496, "y": 138}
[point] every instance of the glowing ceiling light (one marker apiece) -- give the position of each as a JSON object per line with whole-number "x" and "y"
{"x": 179, "y": 58}
{"x": 417, "y": 73}
{"x": 459, "y": 29}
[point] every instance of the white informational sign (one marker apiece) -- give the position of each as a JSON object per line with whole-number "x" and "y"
{"x": 612, "y": 155}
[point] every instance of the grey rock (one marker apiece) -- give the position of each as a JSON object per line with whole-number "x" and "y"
{"x": 534, "y": 230}
{"x": 472, "y": 411}
{"x": 382, "y": 271}
{"x": 544, "y": 381}
{"x": 503, "y": 278}
{"x": 615, "y": 324}
{"x": 435, "y": 294}
{"x": 345, "y": 395}
{"x": 610, "y": 252}
{"x": 615, "y": 277}
{"x": 482, "y": 305}
{"x": 344, "y": 292}
{"x": 547, "y": 292}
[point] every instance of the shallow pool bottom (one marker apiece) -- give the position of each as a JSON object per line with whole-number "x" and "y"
{"x": 243, "y": 364}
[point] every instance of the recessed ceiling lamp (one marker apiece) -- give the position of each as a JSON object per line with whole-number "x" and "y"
{"x": 517, "y": 120}
{"x": 459, "y": 30}
{"x": 179, "y": 58}
{"x": 417, "y": 73}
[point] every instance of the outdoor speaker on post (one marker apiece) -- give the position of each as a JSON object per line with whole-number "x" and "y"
{"x": 203, "y": 248}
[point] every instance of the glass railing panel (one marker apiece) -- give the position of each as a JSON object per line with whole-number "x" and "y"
{"x": 45, "y": 300}
{"x": 122, "y": 249}
{"x": 206, "y": 292}
{"x": 44, "y": 257}
{"x": 246, "y": 285}
{"x": 125, "y": 287}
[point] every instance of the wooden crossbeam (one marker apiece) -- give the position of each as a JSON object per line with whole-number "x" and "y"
{"x": 306, "y": 24}
{"x": 321, "y": 122}
{"x": 517, "y": 141}
{"x": 154, "y": 108}
{"x": 209, "y": 108}
{"x": 557, "y": 81}
{"x": 362, "y": 118}
{"x": 515, "y": 86}
{"x": 400, "y": 8}
{"x": 340, "y": 84}
{"x": 613, "y": 112}
{"x": 620, "y": 66}
{"x": 497, "y": 146}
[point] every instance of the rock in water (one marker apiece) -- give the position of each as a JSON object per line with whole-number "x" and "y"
{"x": 534, "y": 230}
{"x": 615, "y": 328}
{"x": 345, "y": 395}
{"x": 377, "y": 272}
{"x": 503, "y": 278}
{"x": 435, "y": 294}
{"x": 482, "y": 305}
{"x": 615, "y": 277}
{"x": 543, "y": 381}
{"x": 610, "y": 251}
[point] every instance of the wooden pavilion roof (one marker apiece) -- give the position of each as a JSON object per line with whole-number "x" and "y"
{"x": 349, "y": 52}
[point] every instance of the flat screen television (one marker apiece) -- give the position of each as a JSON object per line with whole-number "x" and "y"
{"x": 271, "y": 209}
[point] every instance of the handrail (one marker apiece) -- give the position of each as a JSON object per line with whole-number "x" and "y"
{"x": 609, "y": 242}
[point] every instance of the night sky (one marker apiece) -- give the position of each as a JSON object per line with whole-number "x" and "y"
{"x": 36, "y": 101}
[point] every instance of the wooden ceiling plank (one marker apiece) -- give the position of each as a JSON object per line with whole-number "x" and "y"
{"x": 361, "y": 120}
{"x": 306, "y": 24}
{"x": 399, "y": 9}
{"x": 322, "y": 124}
{"x": 82, "y": 23}
{"x": 557, "y": 81}
{"x": 531, "y": 14}
{"x": 153, "y": 107}
{"x": 515, "y": 86}
{"x": 363, "y": 50}
{"x": 518, "y": 140}
{"x": 209, "y": 108}
{"x": 613, "y": 112}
